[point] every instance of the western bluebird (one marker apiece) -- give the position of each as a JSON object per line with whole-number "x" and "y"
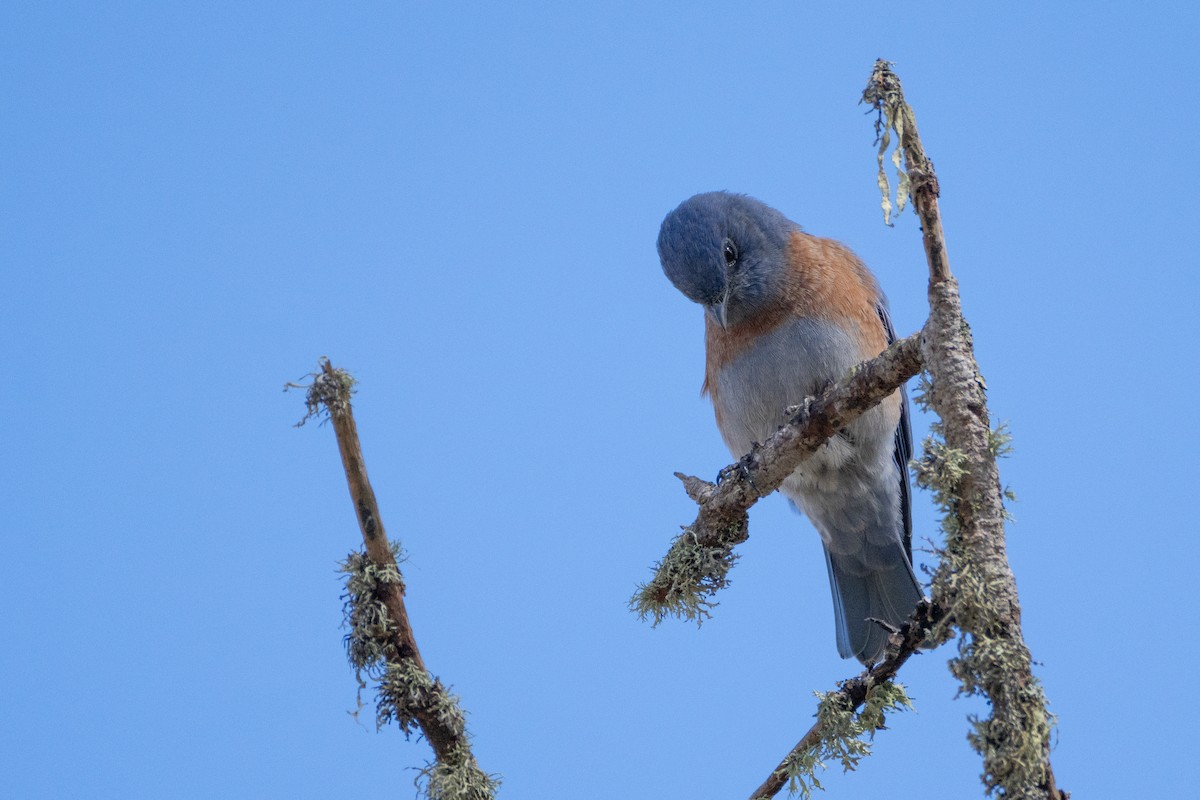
{"x": 786, "y": 314}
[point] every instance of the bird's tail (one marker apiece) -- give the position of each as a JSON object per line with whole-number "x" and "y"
{"x": 888, "y": 593}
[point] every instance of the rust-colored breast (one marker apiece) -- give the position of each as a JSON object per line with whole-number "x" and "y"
{"x": 723, "y": 345}
{"x": 829, "y": 281}
{"x": 824, "y": 279}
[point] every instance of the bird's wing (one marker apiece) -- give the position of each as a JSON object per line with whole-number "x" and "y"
{"x": 903, "y": 449}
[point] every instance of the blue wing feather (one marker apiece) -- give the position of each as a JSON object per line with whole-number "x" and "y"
{"x": 903, "y": 449}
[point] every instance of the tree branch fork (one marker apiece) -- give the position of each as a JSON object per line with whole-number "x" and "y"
{"x": 973, "y": 589}
{"x": 684, "y": 582}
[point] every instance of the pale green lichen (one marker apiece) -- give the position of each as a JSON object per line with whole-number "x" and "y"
{"x": 1013, "y": 745}
{"x": 1014, "y": 739}
{"x": 1000, "y": 441}
{"x": 685, "y": 581}
{"x": 458, "y": 778}
{"x": 884, "y": 95}
{"x": 404, "y": 690}
{"x": 327, "y": 394}
{"x": 365, "y": 616}
{"x": 845, "y": 735}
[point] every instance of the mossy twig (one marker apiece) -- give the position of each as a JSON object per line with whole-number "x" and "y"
{"x": 842, "y": 731}
{"x": 698, "y": 562}
{"x": 973, "y": 582}
{"x": 381, "y": 643}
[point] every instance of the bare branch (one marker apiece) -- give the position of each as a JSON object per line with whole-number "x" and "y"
{"x": 381, "y": 641}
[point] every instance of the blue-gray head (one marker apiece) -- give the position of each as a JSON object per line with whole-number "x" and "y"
{"x": 726, "y": 252}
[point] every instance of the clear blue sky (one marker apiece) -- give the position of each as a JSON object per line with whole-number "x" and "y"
{"x": 459, "y": 204}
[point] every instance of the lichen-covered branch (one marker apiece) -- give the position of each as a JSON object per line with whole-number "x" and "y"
{"x": 842, "y": 731}
{"x": 973, "y": 584}
{"x": 381, "y": 644}
{"x": 974, "y": 592}
{"x": 697, "y": 564}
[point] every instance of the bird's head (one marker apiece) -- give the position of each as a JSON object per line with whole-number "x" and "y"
{"x": 726, "y": 252}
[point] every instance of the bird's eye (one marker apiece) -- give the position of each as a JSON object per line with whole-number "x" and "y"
{"x": 731, "y": 253}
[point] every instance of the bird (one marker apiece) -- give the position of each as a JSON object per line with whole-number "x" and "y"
{"x": 786, "y": 314}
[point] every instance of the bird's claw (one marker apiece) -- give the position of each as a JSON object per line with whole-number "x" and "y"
{"x": 742, "y": 468}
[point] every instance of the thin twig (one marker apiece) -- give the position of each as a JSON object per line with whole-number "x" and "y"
{"x": 408, "y": 691}
{"x": 366, "y": 507}
{"x": 853, "y": 691}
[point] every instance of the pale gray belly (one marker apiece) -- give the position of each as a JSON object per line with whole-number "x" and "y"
{"x": 850, "y": 487}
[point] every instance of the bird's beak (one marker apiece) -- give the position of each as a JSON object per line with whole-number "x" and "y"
{"x": 717, "y": 310}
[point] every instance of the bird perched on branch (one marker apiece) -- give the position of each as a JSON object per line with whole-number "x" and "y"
{"x": 787, "y": 313}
